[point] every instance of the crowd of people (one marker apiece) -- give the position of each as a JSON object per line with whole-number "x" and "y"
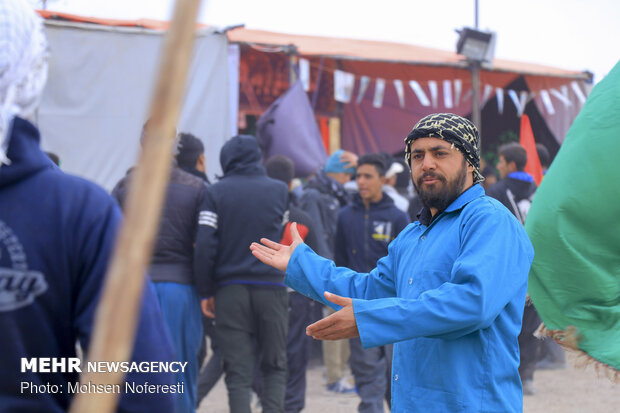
{"x": 349, "y": 213}
{"x": 411, "y": 272}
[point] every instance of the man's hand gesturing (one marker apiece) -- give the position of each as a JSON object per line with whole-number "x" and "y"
{"x": 337, "y": 326}
{"x": 274, "y": 254}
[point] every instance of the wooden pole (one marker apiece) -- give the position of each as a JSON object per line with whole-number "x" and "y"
{"x": 118, "y": 312}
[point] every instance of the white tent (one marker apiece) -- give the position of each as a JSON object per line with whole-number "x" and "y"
{"x": 99, "y": 91}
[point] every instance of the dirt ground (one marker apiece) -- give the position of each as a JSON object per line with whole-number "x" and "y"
{"x": 570, "y": 390}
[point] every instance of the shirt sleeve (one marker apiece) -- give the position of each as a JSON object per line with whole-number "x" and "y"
{"x": 206, "y": 246}
{"x": 312, "y": 275}
{"x": 489, "y": 272}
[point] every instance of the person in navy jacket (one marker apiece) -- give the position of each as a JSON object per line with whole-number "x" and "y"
{"x": 365, "y": 229}
{"x": 57, "y": 233}
{"x": 247, "y": 298}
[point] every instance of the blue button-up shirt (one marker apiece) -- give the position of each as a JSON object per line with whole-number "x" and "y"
{"x": 451, "y": 296}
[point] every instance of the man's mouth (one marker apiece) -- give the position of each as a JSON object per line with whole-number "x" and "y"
{"x": 430, "y": 180}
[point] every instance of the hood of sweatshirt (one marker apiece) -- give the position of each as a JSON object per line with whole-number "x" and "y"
{"x": 26, "y": 157}
{"x": 241, "y": 155}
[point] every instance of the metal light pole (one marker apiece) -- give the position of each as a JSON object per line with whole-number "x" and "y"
{"x": 477, "y": 47}
{"x": 475, "y": 96}
{"x": 475, "y": 84}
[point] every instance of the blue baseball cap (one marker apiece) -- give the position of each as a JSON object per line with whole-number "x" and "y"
{"x": 334, "y": 164}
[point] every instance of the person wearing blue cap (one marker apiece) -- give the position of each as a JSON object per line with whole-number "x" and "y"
{"x": 324, "y": 195}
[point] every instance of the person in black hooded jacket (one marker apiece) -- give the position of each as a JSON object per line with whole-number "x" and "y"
{"x": 250, "y": 297}
{"x": 516, "y": 187}
{"x": 171, "y": 270}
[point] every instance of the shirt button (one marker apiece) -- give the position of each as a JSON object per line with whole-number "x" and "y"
{"x": 410, "y": 281}
{"x": 423, "y": 237}
{"x": 396, "y": 377}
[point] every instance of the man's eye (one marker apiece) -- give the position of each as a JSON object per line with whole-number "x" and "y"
{"x": 442, "y": 153}
{"x": 417, "y": 156}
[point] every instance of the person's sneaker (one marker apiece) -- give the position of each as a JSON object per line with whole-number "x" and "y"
{"x": 528, "y": 388}
{"x": 341, "y": 386}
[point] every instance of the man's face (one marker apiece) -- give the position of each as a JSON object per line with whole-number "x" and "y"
{"x": 369, "y": 183}
{"x": 440, "y": 172}
{"x": 504, "y": 168}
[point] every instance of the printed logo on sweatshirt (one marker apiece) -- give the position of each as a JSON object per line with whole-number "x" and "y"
{"x": 18, "y": 286}
{"x": 382, "y": 231}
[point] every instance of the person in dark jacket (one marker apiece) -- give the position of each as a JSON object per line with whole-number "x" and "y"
{"x": 191, "y": 159}
{"x": 172, "y": 272}
{"x": 365, "y": 228}
{"x": 190, "y": 155}
{"x": 516, "y": 187}
{"x": 57, "y": 235}
{"x": 300, "y": 309}
{"x": 249, "y": 296}
{"x": 516, "y": 190}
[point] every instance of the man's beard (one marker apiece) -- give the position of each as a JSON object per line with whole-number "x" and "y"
{"x": 441, "y": 195}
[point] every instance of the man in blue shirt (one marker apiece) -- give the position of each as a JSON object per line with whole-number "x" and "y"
{"x": 450, "y": 293}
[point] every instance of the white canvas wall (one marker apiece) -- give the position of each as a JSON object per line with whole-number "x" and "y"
{"x": 99, "y": 92}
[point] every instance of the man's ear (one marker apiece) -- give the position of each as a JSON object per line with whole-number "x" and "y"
{"x": 512, "y": 166}
{"x": 201, "y": 163}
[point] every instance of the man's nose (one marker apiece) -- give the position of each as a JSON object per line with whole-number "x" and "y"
{"x": 428, "y": 163}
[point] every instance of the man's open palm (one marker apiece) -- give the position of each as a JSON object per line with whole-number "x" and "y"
{"x": 274, "y": 254}
{"x": 337, "y": 326}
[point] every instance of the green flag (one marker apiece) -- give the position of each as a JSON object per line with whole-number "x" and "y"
{"x": 574, "y": 225}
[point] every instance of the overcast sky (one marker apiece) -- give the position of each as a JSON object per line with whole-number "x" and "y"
{"x": 570, "y": 34}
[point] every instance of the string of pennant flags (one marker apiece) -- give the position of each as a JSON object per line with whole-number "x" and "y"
{"x": 446, "y": 93}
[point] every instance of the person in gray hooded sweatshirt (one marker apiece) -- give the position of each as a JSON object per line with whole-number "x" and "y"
{"x": 247, "y": 297}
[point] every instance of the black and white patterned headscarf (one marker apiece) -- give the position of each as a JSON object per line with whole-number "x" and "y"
{"x": 23, "y": 65}
{"x": 454, "y": 129}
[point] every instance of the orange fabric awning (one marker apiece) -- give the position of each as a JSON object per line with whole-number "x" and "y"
{"x": 339, "y": 48}
{"x": 379, "y": 51}
{"x": 145, "y": 23}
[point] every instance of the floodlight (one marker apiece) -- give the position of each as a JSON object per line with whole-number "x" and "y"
{"x": 475, "y": 45}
